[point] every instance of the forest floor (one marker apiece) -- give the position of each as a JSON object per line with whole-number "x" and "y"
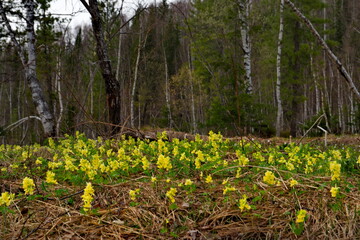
{"x": 242, "y": 188}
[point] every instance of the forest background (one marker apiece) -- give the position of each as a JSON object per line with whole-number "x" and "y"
{"x": 234, "y": 66}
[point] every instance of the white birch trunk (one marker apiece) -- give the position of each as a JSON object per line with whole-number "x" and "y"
{"x": 191, "y": 81}
{"x": 42, "y": 107}
{"x": 246, "y": 42}
{"x": 58, "y": 90}
{"x": 133, "y": 90}
{"x": 167, "y": 88}
{"x": 278, "y": 72}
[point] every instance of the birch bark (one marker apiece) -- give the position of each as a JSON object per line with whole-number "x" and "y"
{"x": 42, "y": 107}
{"x": 278, "y": 72}
{"x": 244, "y": 10}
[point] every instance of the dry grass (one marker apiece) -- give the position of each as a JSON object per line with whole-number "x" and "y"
{"x": 203, "y": 214}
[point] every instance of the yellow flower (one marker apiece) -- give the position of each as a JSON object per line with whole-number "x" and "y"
{"x": 358, "y": 160}
{"x": 209, "y": 179}
{"x": 28, "y": 186}
{"x": 243, "y": 203}
{"x": 269, "y": 178}
{"x": 3, "y": 169}
{"x": 171, "y": 194}
{"x": 133, "y": 193}
{"x": 301, "y": 216}
{"x": 146, "y": 163}
{"x": 188, "y": 182}
{"x": 293, "y": 183}
{"x": 88, "y": 196}
{"x": 38, "y": 161}
{"x": 168, "y": 180}
{"x": 243, "y": 160}
{"x": 334, "y": 191}
{"x": 228, "y": 189}
{"x": 6, "y": 198}
{"x": 164, "y": 162}
{"x": 225, "y": 181}
{"x": 289, "y": 166}
{"x": 50, "y": 177}
{"x": 153, "y": 179}
{"x": 335, "y": 169}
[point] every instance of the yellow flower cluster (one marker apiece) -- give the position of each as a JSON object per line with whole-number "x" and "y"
{"x": 171, "y": 194}
{"x": 228, "y": 189}
{"x": 269, "y": 178}
{"x": 164, "y": 162}
{"x": 209, "y": 179}
{"x": 6, "y": 198}
{"x": 133, "y": 193}
{"x": 188, "y": 182}
{"x": 301, "y": 216}
{"x": 243, "y": 203}
{"x": 28, "y": 186}
{"x": 88, "y": 196}
{"x": 334, "y": 191}
{"x": 335, "y": 169}
{"x": 50, "y": 177}
{"x": 293, "y": 183}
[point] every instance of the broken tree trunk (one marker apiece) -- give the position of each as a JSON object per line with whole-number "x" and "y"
{"x": 340, "y": 67}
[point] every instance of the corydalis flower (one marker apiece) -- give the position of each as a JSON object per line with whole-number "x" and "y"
{"x": 335, "y": 169}
{"x": 164, "y": 162}
{"x": 209, "y": 179}
{"x": 171, "y": 194}
{"x": 293, "y": 183}
{"x": 133, "y": 193}
{"x": 301, "y": 216}
{"x": 188, "y": 182}
{"x": 6, "y": 198}
{"x": 50, "y": 177}
{"x": 88, "y": 196}
{"x": 243, "y": 203}
{"x": 269, "y": 178}
{"x": 28, "y": 186}
{"x": 228, "y": 189}
{"x": 334, "y": 191}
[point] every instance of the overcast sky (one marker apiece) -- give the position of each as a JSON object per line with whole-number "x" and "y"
{"x": 81, "y": 16}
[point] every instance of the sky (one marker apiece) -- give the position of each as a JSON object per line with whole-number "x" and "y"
{"x": 80, "y": 16}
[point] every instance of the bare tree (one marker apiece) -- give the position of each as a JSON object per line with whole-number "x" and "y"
{"x": 42, "y": 107}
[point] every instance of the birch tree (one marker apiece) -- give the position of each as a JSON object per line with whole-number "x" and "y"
{"x": 244, "y": 11}
{"x": 278, "y": 72}
{"x": 29, "y": 65}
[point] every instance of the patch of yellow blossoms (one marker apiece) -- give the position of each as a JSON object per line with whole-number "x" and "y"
{"x": 28, "y": 186}
{"x": 243, "y": 204}
{"x": 6, "y": 198}
{"x": 171, "y": 194}
{"x": 301, "y": 216}
{"x": 88, "y": 197}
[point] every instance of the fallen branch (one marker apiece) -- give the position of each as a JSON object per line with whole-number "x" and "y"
{"x": 341, "y": 68}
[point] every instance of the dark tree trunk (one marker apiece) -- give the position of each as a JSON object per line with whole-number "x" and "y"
{"x": 112, "y": 86}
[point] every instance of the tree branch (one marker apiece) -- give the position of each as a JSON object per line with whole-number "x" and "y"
{"x": 341, "y": 68}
